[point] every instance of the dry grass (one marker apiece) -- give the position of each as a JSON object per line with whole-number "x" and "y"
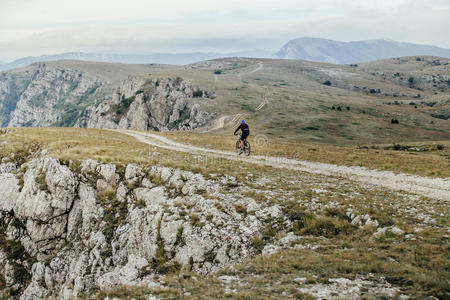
{"x": 431, "y": 162}
{"x": 299, "y": 105}
{"x": 113, "y": 147}
{"x": 420, "y": 267}
{"x": 109, "y": 147}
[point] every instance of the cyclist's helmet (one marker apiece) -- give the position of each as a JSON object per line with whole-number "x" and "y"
{"x": 242, "y": 122}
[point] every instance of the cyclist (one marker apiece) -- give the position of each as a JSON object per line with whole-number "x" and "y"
{"x": 245, "y": 133}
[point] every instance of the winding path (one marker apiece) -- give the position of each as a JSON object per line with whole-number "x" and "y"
{"x": 259, "y": 68}
{"x": 436, "y": 188}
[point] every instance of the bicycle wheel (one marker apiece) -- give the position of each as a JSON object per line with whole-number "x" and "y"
{"x": 238, "y": 147}
{"x": 247, "y": 148}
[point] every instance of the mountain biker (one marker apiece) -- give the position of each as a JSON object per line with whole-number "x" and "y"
{"x": 245, "y": 133}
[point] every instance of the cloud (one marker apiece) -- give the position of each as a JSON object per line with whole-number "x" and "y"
{"x": 138, "y": 26}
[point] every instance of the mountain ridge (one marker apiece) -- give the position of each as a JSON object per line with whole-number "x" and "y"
{"x": 155, "y": 58}
{"x": 338, "y": 52}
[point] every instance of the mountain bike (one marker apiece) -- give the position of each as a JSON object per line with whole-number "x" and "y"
{"x": 246, "y": 149}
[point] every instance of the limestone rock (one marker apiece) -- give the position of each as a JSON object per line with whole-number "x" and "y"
{"x": 88, "y": 241}
{"x": 42, "y": 94}
{"x": 9, "y": 191}
{"x": 384, "y": 230}
{"x": 133, "y": 171}
{"x": 153, "y": 104}
{"x": 7, "y": 168}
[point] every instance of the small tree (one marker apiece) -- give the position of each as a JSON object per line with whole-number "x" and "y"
{"x": 197, "y": 94}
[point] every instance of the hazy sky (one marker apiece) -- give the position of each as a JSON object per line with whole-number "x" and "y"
{"x": 35, "y": 27}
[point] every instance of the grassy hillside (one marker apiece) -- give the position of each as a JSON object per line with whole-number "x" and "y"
{"x": 301, "y": 96}
{"x": 307, "y": 101}
{"x": 420, "y": 158}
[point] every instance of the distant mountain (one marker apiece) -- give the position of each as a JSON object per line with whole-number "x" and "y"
{"x": 322, "y": 50}
{"x": 158, "y": 58}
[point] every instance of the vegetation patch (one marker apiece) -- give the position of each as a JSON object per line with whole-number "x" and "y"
{"x": 311, "y": 128}
{"x": 41, "y": 180}
{"x": 240, "y": 209}
{"x": 197, "y": 94}
{"x": 162, "y": 263}
{"x": 121, "y": 109}
{"x": 19, "y": 258}
{"x": 115, "y": 212}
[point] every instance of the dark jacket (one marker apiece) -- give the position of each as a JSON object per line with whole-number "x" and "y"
{"x": 244, "y": 127}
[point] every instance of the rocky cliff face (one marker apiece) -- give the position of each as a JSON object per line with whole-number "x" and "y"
{"x": 12, "y": 86}
{"x": 151, "y": 104}
{"x": 51, "y": 96}
{"x": 68, "y": 228}
{"x": 48, "y": 95}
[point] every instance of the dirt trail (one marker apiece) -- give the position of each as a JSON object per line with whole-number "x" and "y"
{"x": 436, "y": 188}
{"x": 259, "y": 68}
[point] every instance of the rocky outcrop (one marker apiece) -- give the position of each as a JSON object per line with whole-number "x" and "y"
{"x": 151, "y": 104}
{"x": 12, "y": 86}
{"x": 67, "y": 229}
{"x": 52, "y": 96}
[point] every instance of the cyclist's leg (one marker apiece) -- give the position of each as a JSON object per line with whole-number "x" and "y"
{"x": 244, "y": 139}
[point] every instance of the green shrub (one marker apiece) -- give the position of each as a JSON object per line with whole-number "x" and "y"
{"x": 178, "y": 80}
{"x": 126, "y": 102}
{"x": 398, "y": 147}
{"x": 310, "y": 128}
{"x": 197, "y": 94}
{"x": 218, "y": 72}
